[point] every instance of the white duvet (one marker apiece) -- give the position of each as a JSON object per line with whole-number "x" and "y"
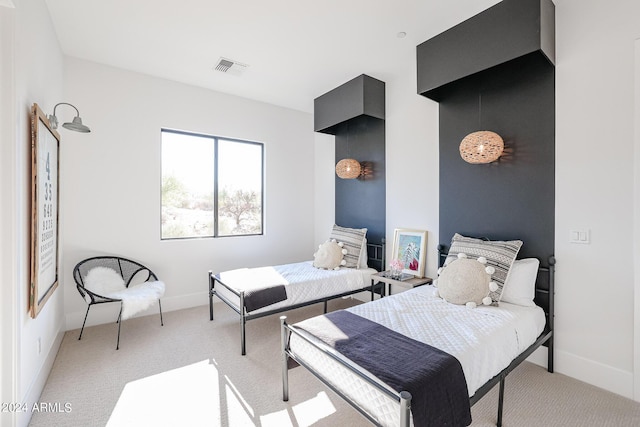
{"x": 485, "y": 340}
{"x": 303, "y": 282}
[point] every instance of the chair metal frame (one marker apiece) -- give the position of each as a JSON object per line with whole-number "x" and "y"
{"x": 127, "y": 268}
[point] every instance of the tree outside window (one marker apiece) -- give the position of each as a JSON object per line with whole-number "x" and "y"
{"x": 211, "y": 186}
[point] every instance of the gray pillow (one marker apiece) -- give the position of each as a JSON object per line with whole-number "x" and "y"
{"x": 353, "y": 239}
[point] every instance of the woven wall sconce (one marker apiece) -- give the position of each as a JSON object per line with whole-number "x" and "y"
{"x": 481, "y": 147}
{"x": 348, "y": 169}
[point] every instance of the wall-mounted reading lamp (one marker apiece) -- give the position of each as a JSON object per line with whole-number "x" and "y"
{"x": 75, "y": 125}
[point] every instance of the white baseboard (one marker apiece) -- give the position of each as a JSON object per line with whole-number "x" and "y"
{"x": 597, "y": 374}
{"x": 108, "y": 313}
{"x": 34, "y": 391}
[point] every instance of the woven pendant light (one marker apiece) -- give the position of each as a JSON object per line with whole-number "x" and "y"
{"x": 481, "y": 147}
{"x": 348, "y": 169}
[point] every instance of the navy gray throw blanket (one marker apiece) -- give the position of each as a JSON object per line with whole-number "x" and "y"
{"x": 259, "y": 298}
{"x": 257, "y": 295}
{"x": 433, "y": 377}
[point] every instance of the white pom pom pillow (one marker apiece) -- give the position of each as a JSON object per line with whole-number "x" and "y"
{"x": 499, "y": 254}
{"x": 466, "y": 281}
{"x": 330, "y": 255}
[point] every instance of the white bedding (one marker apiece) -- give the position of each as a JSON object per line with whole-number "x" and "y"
{"x": 485, "y": 340}
{"x": 303, "y": 282}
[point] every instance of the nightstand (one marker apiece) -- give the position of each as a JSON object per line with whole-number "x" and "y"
{"x": 385, "y": 277}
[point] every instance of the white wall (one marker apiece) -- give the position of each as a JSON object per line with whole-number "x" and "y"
{"x": 595, "y": 190}
{"x": 324, "y": 186}
{"x": 37, "y": 78}
{"x": 412, "y": 160}
{"x": 8, "y": 316}
{"x": 111, "y": 182}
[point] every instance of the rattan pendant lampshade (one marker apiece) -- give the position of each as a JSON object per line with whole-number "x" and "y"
{"x": 481, "y": 147}
{"x": 348, "y": 169}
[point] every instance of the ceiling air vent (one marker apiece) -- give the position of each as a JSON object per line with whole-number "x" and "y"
{"x": 230, "y": 66}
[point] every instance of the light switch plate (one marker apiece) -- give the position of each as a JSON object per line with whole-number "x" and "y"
{"x": 580, "y": 236}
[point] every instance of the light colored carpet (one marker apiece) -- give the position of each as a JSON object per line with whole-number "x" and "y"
{"x": 190, "y": 373}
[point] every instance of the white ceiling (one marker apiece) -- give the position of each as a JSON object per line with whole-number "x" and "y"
{"x": 296, "y": 49}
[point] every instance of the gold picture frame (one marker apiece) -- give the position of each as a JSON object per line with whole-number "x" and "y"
{"x": 410, "y": 246}
{"x": 45, "y": 145}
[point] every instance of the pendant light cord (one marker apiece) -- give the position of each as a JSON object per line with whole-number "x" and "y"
{"x": 480, "y": 111}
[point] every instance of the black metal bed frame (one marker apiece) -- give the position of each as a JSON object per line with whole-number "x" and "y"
{"x": 376, "y": 259}
{"x": 545, "y": 288}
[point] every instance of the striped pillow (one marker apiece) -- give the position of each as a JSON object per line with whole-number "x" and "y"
{"x": 499, "y": 254}
{"x": 353, "y": 239}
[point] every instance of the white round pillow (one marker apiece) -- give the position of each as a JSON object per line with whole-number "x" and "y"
{"x": 463, "y": 281}
{"x": 330, "y": 255}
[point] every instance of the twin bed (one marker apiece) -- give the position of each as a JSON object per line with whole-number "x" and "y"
{"x": 259, "y": 292}
{"x": 381, "y": 356}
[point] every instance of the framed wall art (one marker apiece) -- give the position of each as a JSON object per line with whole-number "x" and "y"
{"x": 45, "y": 143}
{"x": 409, "y": 246}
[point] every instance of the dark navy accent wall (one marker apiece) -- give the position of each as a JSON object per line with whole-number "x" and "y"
{"x": 354, "y": 112}
{"x": 361, "y": 202}
{"x": 513, "y": 197}
{"x": 495, "y": 71}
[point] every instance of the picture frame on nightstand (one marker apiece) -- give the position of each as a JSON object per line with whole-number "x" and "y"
{"x": 409, "y": 246}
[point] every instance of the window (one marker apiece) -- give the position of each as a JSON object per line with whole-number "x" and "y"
{"x": 211, "y": 186}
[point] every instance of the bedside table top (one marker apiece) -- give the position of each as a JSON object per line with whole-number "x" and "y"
{"x": 384, "y": 276}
